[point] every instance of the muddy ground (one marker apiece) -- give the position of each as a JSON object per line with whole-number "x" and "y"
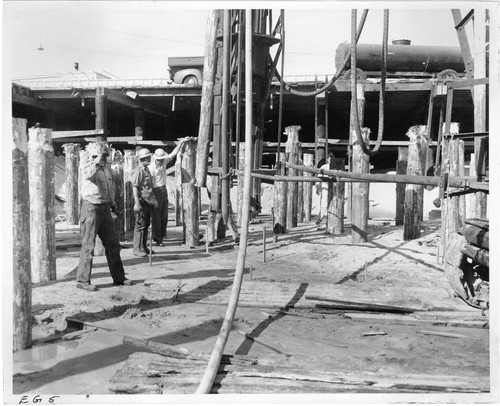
{"x": 180, "y": 299}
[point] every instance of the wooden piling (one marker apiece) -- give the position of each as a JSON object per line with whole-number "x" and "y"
{"x": 101, "y": 114}
{"x": 401, "y": 167}
{"x": 129, "y": 164}
{"x": 72, "y": 197}
{"x": 42, "y": 202}
{"x": 360, "y": 191}
{"x": 280, "y": 200}
{"x": 308, "y": 161}
{"x": 292, "y": 149}
{"x": 417, "y": 154}
{"x": 118, "y": 183}
{"x": 209, "y": 69}
{"x": 335, "y": 217}
{"x": 190, "y": 195}
{"x": 470, "y": 205}
{"x": 455, "y": 207}
{"x": 21, "y": 303}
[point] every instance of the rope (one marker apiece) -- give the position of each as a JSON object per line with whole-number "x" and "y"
{"x": 335, "y": 77}
{"x": 354, "y": 103}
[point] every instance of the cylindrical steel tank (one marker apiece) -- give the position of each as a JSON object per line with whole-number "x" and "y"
{"x": 402, "y": 58}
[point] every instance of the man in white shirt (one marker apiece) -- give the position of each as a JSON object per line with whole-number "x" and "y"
{"x": 158, "y": 170}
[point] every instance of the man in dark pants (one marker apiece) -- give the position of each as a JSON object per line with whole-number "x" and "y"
{"x": 98, "y": 200}
{"x": 158, "y": 170}
{"x": 144, "y": 202}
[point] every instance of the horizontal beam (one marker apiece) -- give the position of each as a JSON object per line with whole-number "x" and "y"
{"x": 459, "y": 84}
{"x": 118, "y": 140}
{"x": 45, "y": 104}
{"x": 120, "y": 98}
{"x": 78, "y": 133}
{"x": 453, "y": 181}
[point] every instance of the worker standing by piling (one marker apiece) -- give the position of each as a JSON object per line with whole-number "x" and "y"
{"x": 144, "y": 202}
{"x": 98, "y": 202}
{"x": 323, "y": 190}
{"x": 158, "y": 170}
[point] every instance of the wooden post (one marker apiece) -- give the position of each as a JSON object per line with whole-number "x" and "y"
{"x": 129, "y": 164}
{"x": 22, "y": 319}
{"x": 42, "y": 201}
{"x": 360, "y": 90}
{"x": 335, "y": 219}
{"x": 72, "y": 197}
{"x": 308, "y": 186}
{"x": 401, "y": 167}
{"x": 470, "y": 206}
{"x": 280, "y": 200}
{"x": 417, "y": 154}
{"x": 209, "y": 69}
{"x": 292, "y": 149}
{"x": 101, "y": 114}
{"x": 480, "y": 103}
{"x": 360, "y": 191}
{"x": 118, "y": 181}
{"x": 139, "y": 122}
{"x": 455, "y": 209}
{"x": 190, "y": 195}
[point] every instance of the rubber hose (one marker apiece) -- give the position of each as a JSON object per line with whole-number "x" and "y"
{"x": 354, "y": 103}
{"x": 335, "y": 77}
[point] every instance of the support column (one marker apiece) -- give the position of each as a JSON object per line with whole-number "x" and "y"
{"x": 225, "y": 142}
{"x": 139, "y": 123}
{"x": 179, "y": 218}
{"x": 118, "y": 181}
{"x": 292, "y": 149}
{"x": 72, "y": 198}
{"x": 417, "y": 153}
{"x": 308, "y": 186}
{"x": 101, "y": 114}
{"x": 280, "y": 199}
{"x": 129, "y": 164}
{"x": 241, "y": 181}
{"x": 191, "y": 212}
{"x": 360, "y": 190}
{"x": 401, "y": 167}
{"x": 335, "y": 219}
{"x": 42, "y": 202}
{"x": 480, "y": 104}
{"x": 455, "y": 206}
{"x": 21, "y": 300}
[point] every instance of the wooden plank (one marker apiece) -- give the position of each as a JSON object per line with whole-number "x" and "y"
{"x": 363, "y": 305}
{"x": 77, "y": 133}
{"x": 444, "y": 334}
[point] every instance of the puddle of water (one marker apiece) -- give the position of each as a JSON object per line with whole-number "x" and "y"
{"x": 45, "y": 351}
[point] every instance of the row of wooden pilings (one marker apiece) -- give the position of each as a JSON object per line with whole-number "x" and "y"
{"x": 34, "y": 242}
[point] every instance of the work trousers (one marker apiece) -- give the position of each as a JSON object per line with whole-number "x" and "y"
{"x": 323, "y": 204}
{"x": 142, "y": 222}
{"x": 160, "y": 214}
{"x": 96, "y": 220}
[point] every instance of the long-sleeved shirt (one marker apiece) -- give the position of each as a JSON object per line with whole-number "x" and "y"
{"x": 142, "y": 179}
{"x": 97, "y": 184}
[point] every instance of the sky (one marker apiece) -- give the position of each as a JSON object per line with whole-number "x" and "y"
{"x": 134, "y": 39}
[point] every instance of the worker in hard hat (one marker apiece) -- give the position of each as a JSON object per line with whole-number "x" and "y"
{"x": 322, "y": 191}
{"x": 98, "y": 201}
{"x": 144, "y": 202}
{"x": 158, "y": 170}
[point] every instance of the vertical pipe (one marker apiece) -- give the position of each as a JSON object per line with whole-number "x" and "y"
{"x": 226, "y": 77}
{"x": 21, "y": 303}
{"x": 264, "y": 243}
{"x": 42, "y": 201}
{"x": 280, "y": 114}
{"x": 71, "y": 204}
{"x": 139, "y": 122}
{"x": 308, "y": 161}
{"x": 335, "y": 222}
{"x": 401, "y": 167}
{"x": 214, "y": 361}
{"x": 238, "y": 96}
{"x": 326, "y": 123}
{"x": 190, "y": 195}
{"x": 209, "y": 66}
{"x": 438, "y": 164}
